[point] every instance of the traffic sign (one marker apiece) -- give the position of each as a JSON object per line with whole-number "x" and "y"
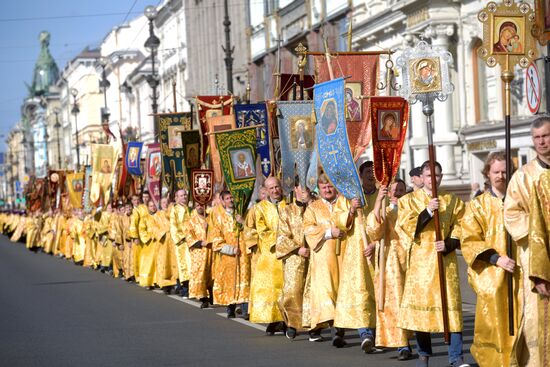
{"x": 532, "y": 85}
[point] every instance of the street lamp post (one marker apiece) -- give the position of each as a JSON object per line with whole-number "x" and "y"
{"x": 104, "y": 84}
{"x": 152, "y": 44}
{"x": 75, "y": 110}
{"x": 57, "y": 126}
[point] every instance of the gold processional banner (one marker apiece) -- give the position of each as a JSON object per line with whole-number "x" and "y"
{"x": 75, "y": 188}
{"x": 104, "y": 159}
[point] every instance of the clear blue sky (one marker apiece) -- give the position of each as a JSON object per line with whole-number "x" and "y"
{"x": 73, "y": 25}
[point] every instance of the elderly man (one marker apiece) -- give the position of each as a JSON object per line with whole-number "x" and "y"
{"x": 321, "y": 235}
{"x": 268, "y": 270}
{"x": 516, "y": 220}
{"x": 232, "y": 270}
{"x": 179, "y": 216}
{"x": 292, "y": 249}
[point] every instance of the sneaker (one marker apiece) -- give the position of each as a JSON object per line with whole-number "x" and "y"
{"x": 314, "y": 337}
{"x": 459, "y": 363}
{"x": 422, "y": 361}
{"x": 367, "y": 344}
{"x": 404, "y": 355}
{"x": 290, "y": 333}
{"x": 338, "y": 342}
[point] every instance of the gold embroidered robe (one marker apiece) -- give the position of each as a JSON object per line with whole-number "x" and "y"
{"x": 324, "y": 266}
{"x": 178, "y": 220}
{"x": 137, "y": 213}
{"x": 115, "y": 236}
{"x": 539, "y": 258}
{"x": 125, "y": 241}
{"x": 355, "y": 305}
{"x": 149, "y": 236}
{"x": 79, "y": 239}
{"x": 388, "y": 334}
{"x": 89, "y": 235}
{"x": 33, "y": 227}
{"x": 104, "y": 240}
{"x": 267, "y": 280}
{"x": 166, "y": 265}
{"x": 421, "y": 301}
{"x": 47, "y": 234}
{"x": 290, "y": 239}
{"x": 20, "y": 229}
{"x": 231, "y": 273}
{"x": 251, "y": 237}
{"x": 483, "y": 230}
{"x": 200, "y": 277}
{"x": 516, "y": 221}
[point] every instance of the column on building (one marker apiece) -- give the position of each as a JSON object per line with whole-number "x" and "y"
{"x": 445, "y": 138}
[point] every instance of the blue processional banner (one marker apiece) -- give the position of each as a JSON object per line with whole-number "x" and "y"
{"x": 332, "y": 139}
{"x": 133, "y": 158}
{"x": 297, "y": 138}
{"x": 256, "y": 114}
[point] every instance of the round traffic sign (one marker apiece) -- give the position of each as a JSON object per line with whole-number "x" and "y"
{"x": 532, "y": 85}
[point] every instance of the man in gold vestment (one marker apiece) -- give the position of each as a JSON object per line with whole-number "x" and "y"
{"x": 139, "y": 211}
{"x": 166, "y": 265}
{"x": 388, "y": 334}
{"x": 200, "y": 277}
{"x": 516, "y": 220}
{"x": 267, "y": 279}
{"x": 325, "y": 264}
{"x": 33, "y": 227}
{"x": 484, "y": 249}
{"x": 539, "y": 244}
{"x": 149, "y": 236}
{"x": 355, "y": 305}
{"x": 232, "y": 268}
{"x": 115, "y": 236}
{"x": 421, "y": 302}
{"x": 292, "y": 249}
{"x": 178, "y": 220}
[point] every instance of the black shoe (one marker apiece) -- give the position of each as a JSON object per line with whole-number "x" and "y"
{"x": 367, "y": 344}
{"x": 290, "y": 333}
{"x": 274, "y": 327}
{"x": 404, "y": 355}
{"x": 205, "y": 304}
{"x": 231, "y": 312}
{"x": 338, "y": 342}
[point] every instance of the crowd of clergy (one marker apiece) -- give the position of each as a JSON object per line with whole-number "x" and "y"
{"x": 315, "y": 262}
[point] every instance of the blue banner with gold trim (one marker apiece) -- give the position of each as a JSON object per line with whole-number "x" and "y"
{"x": 256, "y": 114}
{"x": 332, "y": 139}
{"x": 133, "y": 158}
{"x": 297, "y": 137}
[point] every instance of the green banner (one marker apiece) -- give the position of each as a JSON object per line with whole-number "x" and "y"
{"x": 174, "y": 170}
{"x": 237, "y": 150}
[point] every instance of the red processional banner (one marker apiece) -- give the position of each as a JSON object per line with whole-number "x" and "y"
{"x": 389, "y": 121}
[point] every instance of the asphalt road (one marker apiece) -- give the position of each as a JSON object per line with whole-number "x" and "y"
{"x": 57, "y": 314}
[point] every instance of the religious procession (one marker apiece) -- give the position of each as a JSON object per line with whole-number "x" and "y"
{"x": 294, "y": 214}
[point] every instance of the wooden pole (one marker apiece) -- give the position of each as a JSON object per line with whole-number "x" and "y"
{"x": 507, "y": 77}
{"x": 428, "y": 111}
{"x": 382, "y": 258}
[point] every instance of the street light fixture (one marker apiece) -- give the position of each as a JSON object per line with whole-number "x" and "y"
{"x": 57, "y": 126}
{"x": 104, "y": 84}
{"x": 152, "y": 44}
{"x": 75, "y": 111}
